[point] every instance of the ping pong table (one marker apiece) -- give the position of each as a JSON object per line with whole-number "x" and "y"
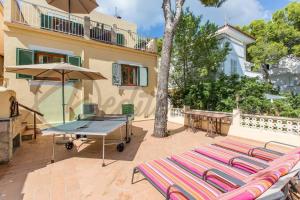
{"x": 93, "y": 126}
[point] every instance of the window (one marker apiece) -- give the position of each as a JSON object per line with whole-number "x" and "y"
{"x": 129, "y": 75}
{"x": 27, "y": 57}
{"x": 43, "y": 58}
{"x": 233, "y": 66}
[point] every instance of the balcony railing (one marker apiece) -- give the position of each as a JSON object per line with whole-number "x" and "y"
{"x": 53, "y": 20}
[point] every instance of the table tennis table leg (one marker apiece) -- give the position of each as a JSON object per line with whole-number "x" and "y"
{"x": 53, "y": 150}
{"x": 103, "y": 151}
{"x": 126, "y": 137}
{"x": 121, "y": 134}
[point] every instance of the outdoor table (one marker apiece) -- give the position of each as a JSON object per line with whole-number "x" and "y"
{"x": 94, "y": 126}
{"x": 214, "y": 120}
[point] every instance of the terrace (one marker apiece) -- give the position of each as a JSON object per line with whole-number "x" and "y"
{"x": 79, "y": 175}
{"x": 45, "y": 18}
{"x": 30, "y": 175}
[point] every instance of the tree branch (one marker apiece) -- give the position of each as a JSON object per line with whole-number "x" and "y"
{"x": 168, "y": 13}
{"x": 166, "y": 6}
{"x": 179, "y": 5}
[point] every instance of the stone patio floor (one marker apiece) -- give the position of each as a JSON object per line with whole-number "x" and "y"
{"x": 78, "y": 174}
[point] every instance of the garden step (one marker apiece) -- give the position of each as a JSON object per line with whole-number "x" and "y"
{"x": 27, "y": 135}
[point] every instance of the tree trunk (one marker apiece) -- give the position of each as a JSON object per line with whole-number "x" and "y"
{"x": 161, "y": 112}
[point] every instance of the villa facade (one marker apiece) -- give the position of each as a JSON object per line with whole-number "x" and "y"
{"x": 236, "y": 60}
{"x": 35, "y": 33}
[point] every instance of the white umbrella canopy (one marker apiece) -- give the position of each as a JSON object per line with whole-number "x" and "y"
{"x": 56, "y": 70}
{"x": 74, "y": 6}
{"x": 61, "y": 71}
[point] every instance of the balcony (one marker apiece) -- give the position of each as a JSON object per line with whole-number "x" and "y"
{"x": 45, "y": 18}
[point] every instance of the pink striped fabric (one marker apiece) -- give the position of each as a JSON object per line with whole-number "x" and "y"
{"x": 245, "y": 149}
{"x": 253, "y": 189}
{"x": 224, "y": 155}
{"x": 185, "y": 170}
{"x": 164, "y": 173}
{"x": 258, "y": 183}
{"x": 198, "y": 164}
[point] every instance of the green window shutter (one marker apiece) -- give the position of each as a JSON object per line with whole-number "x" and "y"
{"x": 127, "y": 109}
{"x": 74, "y": 60}
{"x": 24, "y": 57}
{"x": 143, "y": 76}
{"x": 120, "y": 39}
{"x": 116, "y": 74}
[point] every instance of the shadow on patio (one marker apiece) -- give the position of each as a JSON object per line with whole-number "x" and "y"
{"x": 35, "y": 156}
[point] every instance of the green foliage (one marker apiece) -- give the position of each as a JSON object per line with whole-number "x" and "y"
{"x": 267, "y": 53}
{"x": 276, "y": 38}
{"x": 159, "y": 43}
{"x": 196, "y": 53}
{"x": 214, "y": 3}
{"x": 229, "y": 92}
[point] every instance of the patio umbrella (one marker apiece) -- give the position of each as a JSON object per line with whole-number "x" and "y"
{"x": 74, "y": 6}
{"x": 61, "y": 71}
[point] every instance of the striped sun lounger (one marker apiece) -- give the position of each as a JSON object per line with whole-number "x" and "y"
{"x": 251, "y": 150}
{"x": 176, "y": 183}
{"x": 171, "y": 179}
{"x": 235, "y": 159}
{"x": 201, "y": 166}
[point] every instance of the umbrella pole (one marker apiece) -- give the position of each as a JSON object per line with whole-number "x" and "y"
{"x": 63, "y": 96}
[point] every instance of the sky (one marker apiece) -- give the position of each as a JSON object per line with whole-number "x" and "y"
{"x": 148, "y": 14}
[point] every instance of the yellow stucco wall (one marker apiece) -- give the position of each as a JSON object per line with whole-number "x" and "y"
{"x": 1, "y": 30}
{"x": 97, "y": 56}
{"x": 1, "y": 44}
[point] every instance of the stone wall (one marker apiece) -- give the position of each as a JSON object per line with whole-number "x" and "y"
{"x": 10, "y": 127}
{"x": 5, "y": 140}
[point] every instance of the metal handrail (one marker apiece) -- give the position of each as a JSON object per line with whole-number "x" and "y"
{"x": 31, "y": 110}
{"x": 34, "y": 117}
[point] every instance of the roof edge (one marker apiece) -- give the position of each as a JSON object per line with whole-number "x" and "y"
{"x": 239, "y": 30}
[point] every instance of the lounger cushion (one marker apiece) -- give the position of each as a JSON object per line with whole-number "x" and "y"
{"x": 282, "y": 166}
{"x": 262, "y": 181}
{"x": 245, "y": 149}
{"x": 253, "y": 189}
{"x": 163, "y": 173}
{"x": 198, "y": 164}
{"x": 225, "y": 155}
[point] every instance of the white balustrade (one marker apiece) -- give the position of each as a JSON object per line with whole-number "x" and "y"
{"x": 176, "y": 112}
{"x": 269, "y": 123}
